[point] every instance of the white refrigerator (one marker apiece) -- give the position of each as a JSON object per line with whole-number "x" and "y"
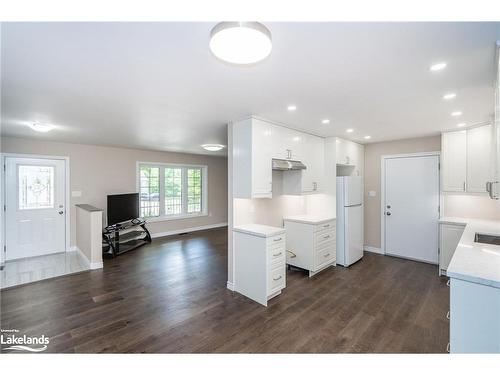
{"x": 349, "y": 220}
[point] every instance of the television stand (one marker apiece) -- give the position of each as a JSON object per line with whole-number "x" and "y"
{"x": 121, "y": 238}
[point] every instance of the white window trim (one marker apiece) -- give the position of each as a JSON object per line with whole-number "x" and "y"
{"x": 204, "y": 190}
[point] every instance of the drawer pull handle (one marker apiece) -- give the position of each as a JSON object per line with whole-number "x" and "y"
{"x": 277, "y": 255}
{"x": 293, "y": 255}
{"x": 326, "y": 226}
{"x": 276, "y": 279}
{"x": 327, "y": 236}
{"x": 448, "y": 282}
{"x": 326, "y": 255}
{"x": 448, "y": 315}
{"x": 277, "y": 239}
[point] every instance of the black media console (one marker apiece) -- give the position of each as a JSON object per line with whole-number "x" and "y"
{"x": 120, "y": 238}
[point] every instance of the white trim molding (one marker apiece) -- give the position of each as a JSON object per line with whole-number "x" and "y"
{"x": 372, "y": 249}
{"x": 187, "y": 230}
{"x": 90, "y": 265}
{"x": 230, "y": 286}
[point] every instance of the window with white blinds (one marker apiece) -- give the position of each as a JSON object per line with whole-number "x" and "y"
{"x": 172, "y": 191}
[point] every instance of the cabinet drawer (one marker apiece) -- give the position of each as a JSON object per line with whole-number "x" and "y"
{"x": 277, "y": 279}
{"x": 325, "y": 226}
{"x": 324, "y": 256}
{"x": 276, "y": 254}
{"x": 276, "y": 240}
{"x": 324, "y": 236}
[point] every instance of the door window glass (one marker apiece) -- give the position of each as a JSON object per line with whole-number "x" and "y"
{"x": 36, "y": 186}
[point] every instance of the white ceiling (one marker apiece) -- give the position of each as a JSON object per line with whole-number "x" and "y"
{"x": 157, "y": 86}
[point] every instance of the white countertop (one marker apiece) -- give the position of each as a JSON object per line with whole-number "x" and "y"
{"x": 310, "y": 219}
{"x": 473, "y": 261}
{"x": 259, "y": 230}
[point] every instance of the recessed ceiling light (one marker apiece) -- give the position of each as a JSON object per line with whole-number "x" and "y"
{"x": 40, "y": 127}
{"x": 461, "y": 125}
{"x": 456, "y": 113}
{"x": 240, "y": 42}
{"x": 291, "y": 107}
{"x": 325, "y": 121}
{"x": 449, "y": 96}
{"x": 368, "y": 136}
{"x": 438, "y": 66}
{"x": 349, "y": 130}
{"x": 213, "y": 147}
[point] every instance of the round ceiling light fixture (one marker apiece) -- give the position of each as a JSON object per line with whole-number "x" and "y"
{"x": 41, "y": 127}
{"x": 213, "y": 147}
{"x": 240, "y": 43}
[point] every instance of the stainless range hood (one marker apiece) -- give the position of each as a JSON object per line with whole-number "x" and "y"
{"x": 287, "y": 165}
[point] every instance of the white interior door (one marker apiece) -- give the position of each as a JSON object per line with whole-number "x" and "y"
{"x": 34, "y": 207}
{"x": 411, "y": 207}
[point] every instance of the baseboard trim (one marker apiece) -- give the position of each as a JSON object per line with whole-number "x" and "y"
{"x": 371, "y": 249}
{"x": 96, "y": 265}
{"x": 187, "y": 230}
{"x": 88, "y": 263}
{"x": 230, "y": 286}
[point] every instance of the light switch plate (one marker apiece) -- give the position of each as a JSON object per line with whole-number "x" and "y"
{"x": 76, "y": 194}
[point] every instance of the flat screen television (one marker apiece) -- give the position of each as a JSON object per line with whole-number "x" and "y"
{"x": 122, "y": 207}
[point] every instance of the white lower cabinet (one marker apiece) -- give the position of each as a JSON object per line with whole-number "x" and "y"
{"x": 449, "y": 237}
{"x": 311, "y": 246}
{"x": 259, "y": 262}
{"x": 474, "y": 318}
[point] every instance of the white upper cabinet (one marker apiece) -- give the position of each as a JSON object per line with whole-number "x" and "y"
{"x": 257, "y": 142}
{"x": 453, "y": 159}
{"x": 252, "y": 168}
{"x": 479, "y": 162}
{"x": 311, "y": 153}
{"x": 350, "y": 155}
{"x": 467, "y": 159}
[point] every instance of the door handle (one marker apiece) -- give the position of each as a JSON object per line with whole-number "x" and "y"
{"x": 388, "y": 213}
{"x": 61, "y": 212}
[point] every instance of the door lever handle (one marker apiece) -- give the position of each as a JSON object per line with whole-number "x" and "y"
{"x": 388, "y": 213}
{"x": 61, "y": 212}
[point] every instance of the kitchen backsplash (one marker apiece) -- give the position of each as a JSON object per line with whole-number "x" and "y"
{"x": 472, "y": 206}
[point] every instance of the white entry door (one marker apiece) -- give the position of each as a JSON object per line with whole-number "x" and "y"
{"x": 411, "y": 207}
{"x": 35, "y": 215}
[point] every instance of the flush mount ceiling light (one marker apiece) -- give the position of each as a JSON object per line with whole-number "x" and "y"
{"x": 456, "y": 113}
{"x": 461, "y": 125}
{"x": 41, "y": 127}
{"x": 240, "y": 43}
{"x": 349, "y": 130}
{"x": 291, "y": 108}
{"x": 325, "y": 121}
{"x": 213, "y": 147}
{"x": 449, "y": 96}
{"x": 437, "y": 67}
{"x": 368, "y": 136}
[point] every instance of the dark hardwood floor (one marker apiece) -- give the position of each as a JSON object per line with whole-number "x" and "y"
{"x": 171, "y": 296}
